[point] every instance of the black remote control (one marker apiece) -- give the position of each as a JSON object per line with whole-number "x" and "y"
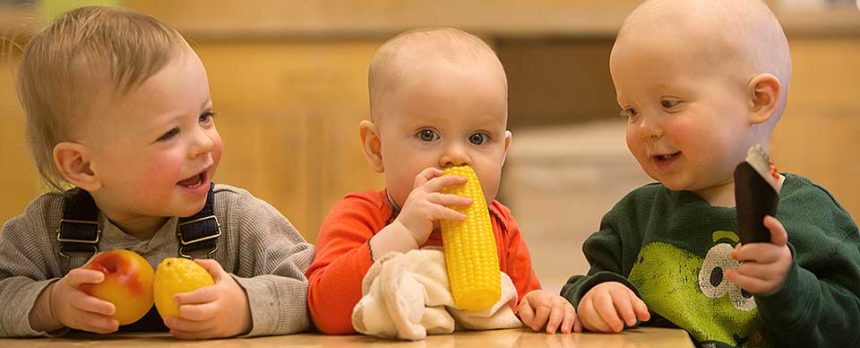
{"x": 756, "y": 195}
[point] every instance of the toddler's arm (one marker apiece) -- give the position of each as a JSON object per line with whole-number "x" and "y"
{"x": 355, "y": 232}
{"x": 343, "y": 258}
{"x": 28, "y": 265}
{"x": 63, "y": 304}
{"x": 34, "y": 301}
{"x": 518, "y": 260}
{"x": 605, "y": 283}
{"x": 609, "y": 306}
{"x": 270, "y": 263}
{"x": 425, "y": 206}
{"x": 817, "y": 302}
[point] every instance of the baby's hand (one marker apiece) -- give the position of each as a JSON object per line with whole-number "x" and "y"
{"x": 763, "y": 265}
{"x": 219, "y": 310}
{"x": 608, "y": 306}
{"x": 426, "y": 204}
{"x": 542, "y": 309}
{"x": 71, "y": 307}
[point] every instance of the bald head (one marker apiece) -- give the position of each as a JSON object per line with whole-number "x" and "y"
{"x": 740, "y": 37}
{"x": 398, "y": 59}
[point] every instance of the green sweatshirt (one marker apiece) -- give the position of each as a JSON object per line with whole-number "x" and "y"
{"x": 672, "y": 247}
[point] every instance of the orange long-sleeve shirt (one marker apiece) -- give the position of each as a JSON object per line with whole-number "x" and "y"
{"x": 343, "y": 256}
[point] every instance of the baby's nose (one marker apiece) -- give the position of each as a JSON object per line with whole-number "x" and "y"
{"x": 455, "y": 156}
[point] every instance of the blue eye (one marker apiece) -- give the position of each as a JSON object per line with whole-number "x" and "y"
{"x": 170, "y": 134}
{"x": 478, "y": 138}
{"x": 427, "y": 135}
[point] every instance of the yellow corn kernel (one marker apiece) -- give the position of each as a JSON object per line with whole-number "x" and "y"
{"x": 470, "y": 248}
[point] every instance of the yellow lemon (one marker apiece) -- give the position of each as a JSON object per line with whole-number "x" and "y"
{"x": 173, "y": 276}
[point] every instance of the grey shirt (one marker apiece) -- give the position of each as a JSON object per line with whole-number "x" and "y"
{"x": 258, "y": 246}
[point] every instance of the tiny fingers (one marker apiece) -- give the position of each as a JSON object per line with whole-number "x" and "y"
{"x": 526, "y": 312}
{"x": 569, "y": 322}
{"x": 438, "y": 183}
{"x": 606, "y": 309}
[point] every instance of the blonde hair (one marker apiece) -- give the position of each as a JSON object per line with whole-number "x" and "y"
{"x": 82, "y": 52}
{"x": 387, "y": 65}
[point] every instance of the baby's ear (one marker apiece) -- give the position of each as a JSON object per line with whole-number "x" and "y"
{"x": 508, "y": 138}
{"x": 372, "y": 145}
{"x": 73, "y": 161}
{"x": 765, "y": 96}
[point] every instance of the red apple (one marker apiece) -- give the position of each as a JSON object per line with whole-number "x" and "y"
{"x": 127, "y": 283}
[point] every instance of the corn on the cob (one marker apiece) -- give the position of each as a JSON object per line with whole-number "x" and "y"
{"x": 470, "y": 248}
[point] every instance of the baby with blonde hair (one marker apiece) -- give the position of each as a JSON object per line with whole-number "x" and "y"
{"x": 118, "y": 108}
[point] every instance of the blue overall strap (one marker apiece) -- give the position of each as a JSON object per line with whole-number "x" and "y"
{"x": 79, "y": 228}
{"x": 200, "y": 231}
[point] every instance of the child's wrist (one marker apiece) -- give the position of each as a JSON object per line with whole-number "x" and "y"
{"x": 247, "y": 324}
{"x": 402, "y": 235}
{"x": 43, "y": 316}
{"x": 54, "y": 320}
{"x": 394, "y": 237}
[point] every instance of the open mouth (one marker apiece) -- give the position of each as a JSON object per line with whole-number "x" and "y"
{"x": 667, "y": 158}
{"x": 194, "y": 181}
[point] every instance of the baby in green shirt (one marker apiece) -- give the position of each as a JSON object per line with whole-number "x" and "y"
{"x": 700, "y": 82}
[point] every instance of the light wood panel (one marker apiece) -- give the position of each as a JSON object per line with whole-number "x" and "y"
{"x": 557, "y": 81}
{"x": 818, "y": 135}
{"x": 382, "y": 18}
{"x": 18, "y": 176}
{"x": 288, "y": 113}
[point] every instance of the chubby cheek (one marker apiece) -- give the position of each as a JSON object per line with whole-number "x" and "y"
{"x": 489, "y": 174}
{"x": 699, "y": 144}
{"x": 717, "y": 160}
{"x": 637, "y": 149}
{"x": 217, "y": 148}
{"x": 490, "y": 186}
{"x": 399, "y": 181}
{"x": 401, "y": 169}
{"x": 164, "y": 169}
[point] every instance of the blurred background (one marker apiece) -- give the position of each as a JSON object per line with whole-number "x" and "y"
{"x": 288, "y": 79}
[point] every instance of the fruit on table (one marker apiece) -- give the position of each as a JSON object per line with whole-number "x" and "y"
{"x": 174, "y": 276}
{"x": 128, "y": 280}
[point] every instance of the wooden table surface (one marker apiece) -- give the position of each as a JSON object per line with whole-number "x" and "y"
{"x": 635, "y": 338}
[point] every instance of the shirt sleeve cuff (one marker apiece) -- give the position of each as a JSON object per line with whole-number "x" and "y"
{"x": 793, "y": 294}
{"x": 575, "y": 294}
{"x": 278, "y": 304}
{"x": 20, "y": 314}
